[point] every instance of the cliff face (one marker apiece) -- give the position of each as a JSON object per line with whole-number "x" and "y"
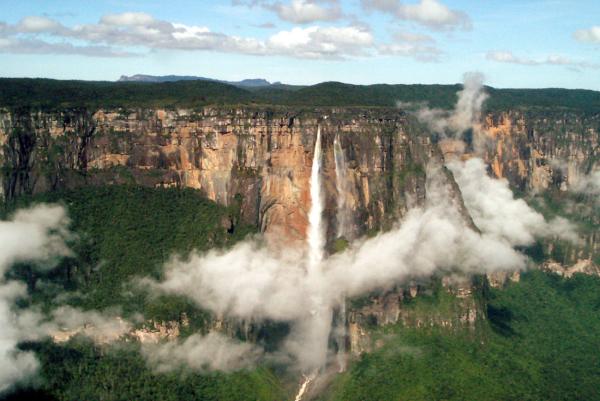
{"x": 254, "y": 160}
{"x": 538, "y": 151}
{"x": 258, "y": 160}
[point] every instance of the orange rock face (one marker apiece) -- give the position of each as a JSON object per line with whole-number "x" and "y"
{"x": 258, "y": 158}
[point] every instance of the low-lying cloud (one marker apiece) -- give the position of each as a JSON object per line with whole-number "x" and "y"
{"x": 465, "y": 115}
{"x": 32, "y": 235}
{"x": 494, "y": 209}
{"x": 211, "y": 352}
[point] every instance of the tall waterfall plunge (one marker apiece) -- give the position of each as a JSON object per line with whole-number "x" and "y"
{"x": 316, "y": 231}
{"x": 343, "y": 230}
{"x": 344, "y": 218}
{"x": 316, "y": 328}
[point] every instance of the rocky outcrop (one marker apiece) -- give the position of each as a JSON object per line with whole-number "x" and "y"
{"x": 583, "y": 266}
{"x": 445, "y": 303}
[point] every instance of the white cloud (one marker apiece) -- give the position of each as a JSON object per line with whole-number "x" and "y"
{"x": 142, "y": 30}
{"x": 306, "y": 11}
{"x": 591, "y": 35}
{"x": 35, "y": 234}
{"x": 418, "y": 52}
{"x": 552, "y": 60}
{"x": 589, "y": 184}
{"x": 36, "y": 46}
{"x": 202, "y": 353}
{"x": 127, "y": 19}
{"x": 316, "y": 42}
{"x": 38, "y": 24}
{"x": 430, "y": 13}
{"x": 407, "y": 44}
{"x": 299, "y": 11}
{"x": 465, "y": 114}
{"x": 411, "y": 37}
{"x": 102, "y": 327}
{"x": 494, "y": 209}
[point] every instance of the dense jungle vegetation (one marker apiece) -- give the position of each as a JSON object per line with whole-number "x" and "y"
{"x": 51, "y": 94}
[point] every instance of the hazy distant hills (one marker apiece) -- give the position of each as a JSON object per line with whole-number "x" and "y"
{"x": 245, "y": 83}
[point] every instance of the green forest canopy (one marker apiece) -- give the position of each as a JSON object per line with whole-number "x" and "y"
{"x": 57, "y": 94}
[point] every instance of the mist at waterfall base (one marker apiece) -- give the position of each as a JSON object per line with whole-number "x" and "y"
{"x": 303, "y": 287}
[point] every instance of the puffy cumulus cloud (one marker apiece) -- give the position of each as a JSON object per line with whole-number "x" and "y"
{"x": 39, "y": 24}
{"x": 307, "y": 11}
{"x": 552, "y": 60}
{"x": 140, "y": 30}
{"x": 430, "y": 13}
{"x": 299, "y": 11}
{"x": 317, "y": 42}
{"x": 202, "y": 353}
{"x": 591, "y": 35}
{"x": 35, "y": 234}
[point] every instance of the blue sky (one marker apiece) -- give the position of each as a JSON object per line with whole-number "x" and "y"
{"x": 514, "y": 43}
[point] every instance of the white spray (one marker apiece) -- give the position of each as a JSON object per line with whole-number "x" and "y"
{"x": 319, "y": 321}
{"x": 343, "y": 230}
{"x": 343, "y": 218}
{"x": 316, "y": 234}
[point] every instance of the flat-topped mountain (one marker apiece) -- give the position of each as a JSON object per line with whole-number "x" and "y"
{"x": 251, "y": 83}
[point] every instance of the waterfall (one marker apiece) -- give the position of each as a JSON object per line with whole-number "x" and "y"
{"x": 343, "y": 220}
{"x": 306, "y": 380}
{"x": 343, "y": 230}
{"x": 316, "y": 233}
{"x": 317, "y": 325}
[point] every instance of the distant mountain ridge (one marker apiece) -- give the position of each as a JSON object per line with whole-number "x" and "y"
{"x": 245, "y": 83}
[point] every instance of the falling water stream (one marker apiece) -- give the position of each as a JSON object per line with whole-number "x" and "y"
{"x": 316, "y": 246}
{"x": 343, "y": 222}
{"x": 316, "y": 233}
{"x": 321, "y": 314}
{"x": 343, "y": 231}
